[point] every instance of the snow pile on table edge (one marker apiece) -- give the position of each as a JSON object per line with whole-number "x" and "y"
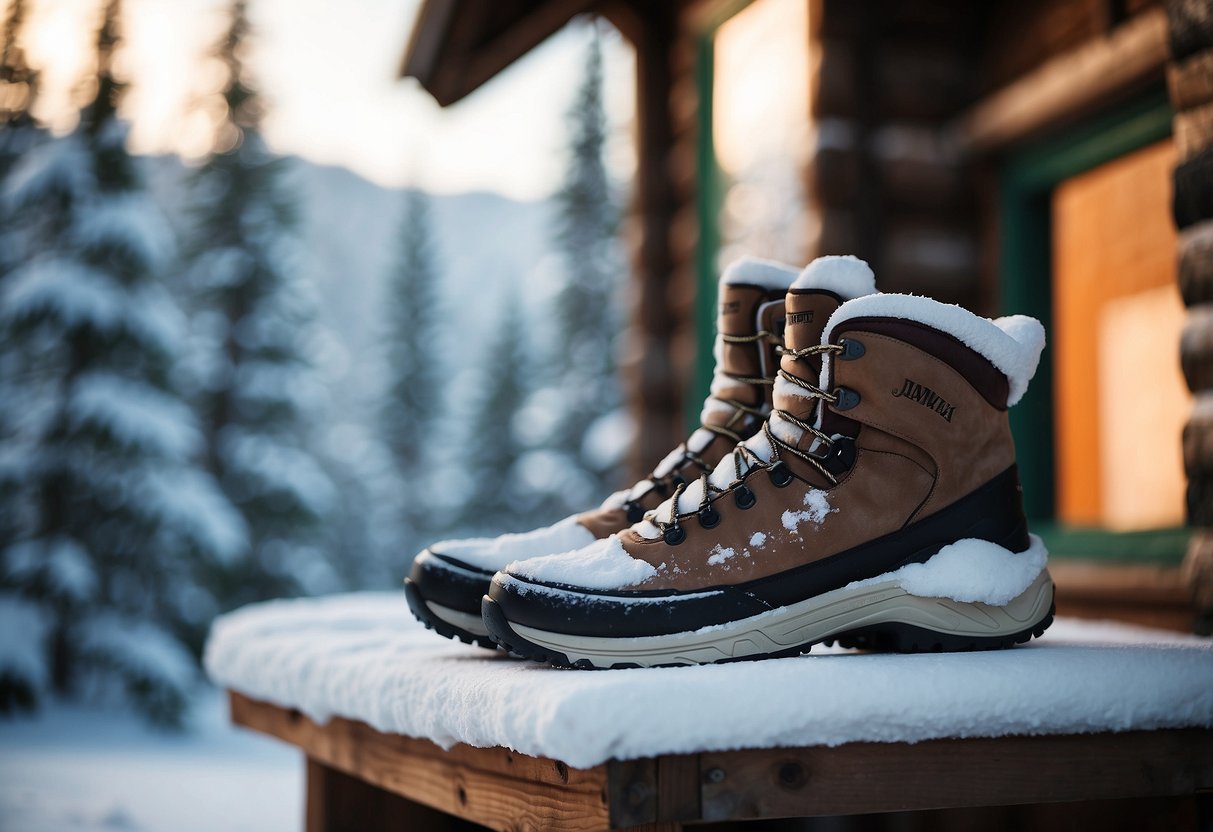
{"x": 362, "y": 657}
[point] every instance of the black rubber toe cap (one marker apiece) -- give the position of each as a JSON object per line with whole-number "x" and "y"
{"x": 452, "y": 583}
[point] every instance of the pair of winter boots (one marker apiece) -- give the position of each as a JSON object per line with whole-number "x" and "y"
{"x": 853, "y": 481}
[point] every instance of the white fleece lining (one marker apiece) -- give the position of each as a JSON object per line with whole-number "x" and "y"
{"x": 845, "y": 275}
{"x": 753, "y": 271}
{"x": 1012, "y": 344}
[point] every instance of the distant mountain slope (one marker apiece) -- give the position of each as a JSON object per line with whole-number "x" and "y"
{"x": 487, "y": 245}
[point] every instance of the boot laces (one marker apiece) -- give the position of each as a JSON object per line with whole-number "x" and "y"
{"x": 745, "y": 459}
{"x": 683, "y": 454}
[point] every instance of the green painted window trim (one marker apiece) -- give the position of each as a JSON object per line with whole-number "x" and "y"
{"x": 1025, "y": 262}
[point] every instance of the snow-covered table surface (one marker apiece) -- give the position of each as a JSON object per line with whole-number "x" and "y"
{"x": 364, "y": 657}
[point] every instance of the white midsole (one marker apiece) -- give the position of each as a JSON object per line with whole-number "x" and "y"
{"x": 473, "y": 624}
{"x": 806, "y": 622}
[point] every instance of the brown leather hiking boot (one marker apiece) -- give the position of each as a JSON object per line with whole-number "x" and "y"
{"x": 449, "y": 579}
{"x": 879, "y": 507}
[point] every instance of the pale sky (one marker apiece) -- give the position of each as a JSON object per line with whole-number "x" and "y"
{"x": 328, "y": 68}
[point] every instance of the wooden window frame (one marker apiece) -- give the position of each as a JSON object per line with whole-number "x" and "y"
{"x": 1027, "y": 180}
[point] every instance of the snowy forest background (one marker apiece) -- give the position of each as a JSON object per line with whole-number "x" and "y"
{"x": 252, "y": 376}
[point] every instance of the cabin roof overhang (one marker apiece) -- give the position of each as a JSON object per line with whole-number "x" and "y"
{"x": 458, "y": 45}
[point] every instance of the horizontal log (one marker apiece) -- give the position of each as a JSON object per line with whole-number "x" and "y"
{"x": 1198, "y": 571}
{"x": 1194, "y": 190}
{"x": 918, "y": 167}
{"x": 839, "y": 234}
{"x": 922, "y": 19}
{"x": 1068, "y": 86}
{"x": 1191, "y": 26}
{"x": 1190, "y": 81}
{"x": 1198, "y": 438}
{"x": 901, "y": 82}
{"x": 1193, "y": 131}
{"x": 1022, "y": 36}
{"x": 939, "y": 259}
{"x": 919, "y": 81}
{"x": 835, "y": 87}
{"x": 1196, "y": 263}
{"x": 1196, "y": 348}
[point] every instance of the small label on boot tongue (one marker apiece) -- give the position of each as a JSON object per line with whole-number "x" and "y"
{"x": 805, "y": 317}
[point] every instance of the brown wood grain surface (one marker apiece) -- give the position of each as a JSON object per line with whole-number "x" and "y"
{"x": 1070, "y": 85}
{"x": 490, "y": 786}
{"x": 884, "y": 777}
{"x": 504, "y": 790}
{"x": 1190, "y": 81}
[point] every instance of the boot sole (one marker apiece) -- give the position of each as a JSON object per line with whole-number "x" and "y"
{"x": 445, "y": 621}
{"x": 881, "y": 616}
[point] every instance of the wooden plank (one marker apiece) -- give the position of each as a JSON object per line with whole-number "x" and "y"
{"x": 1068, "y": 86}
{"x": 1196, "y": 348}
{"x": 1196, "y": 263}
{"x": 1194, "y": 131}
{"x": 1190, "y": 82}
{"x": 1146, "y": 595}
{"x": 490, "y": 786}
{"x": 1191, "y": 26}
{"x": 678, "y": 788}
{"x": 1194, "y": 190}
{"x": 886, "y": 777}
{"x": 1198, "y": 570}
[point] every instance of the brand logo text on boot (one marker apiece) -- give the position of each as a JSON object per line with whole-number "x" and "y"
{"x": 926, "y": 397}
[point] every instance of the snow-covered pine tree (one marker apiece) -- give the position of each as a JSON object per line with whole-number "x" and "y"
{"x": 19, "y": 133}
{"x": 257, "y": 324}
{"x": 115, "y": 513}
{"x": 414, "y": 392}
{"x": 587, "y": 306}
{"x": 18, "y": 89}
{"x": 493, "y": 449}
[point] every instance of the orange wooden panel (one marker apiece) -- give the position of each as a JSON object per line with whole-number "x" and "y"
{"x": 1113, "y": 238}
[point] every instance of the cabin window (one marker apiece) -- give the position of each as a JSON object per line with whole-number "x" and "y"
{"x": 1087, "y": 245}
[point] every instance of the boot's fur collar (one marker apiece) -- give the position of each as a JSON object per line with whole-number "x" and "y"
{"x": 844, "y": 275}
{"x": 752, "y": 271}
{"x": 1012, "y": 344}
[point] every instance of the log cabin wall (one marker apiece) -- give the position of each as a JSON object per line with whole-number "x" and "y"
{"x": 886, "y": 181}
{"x": 1190, "y": 84}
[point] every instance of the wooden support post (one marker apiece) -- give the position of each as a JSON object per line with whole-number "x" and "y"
{"x": 656, "y": 380}
{"x": 338, "y": 802}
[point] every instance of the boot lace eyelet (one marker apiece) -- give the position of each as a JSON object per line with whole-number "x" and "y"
{"x": 675, "y": 535}
{"x": 709, "y": 517}
{"x": 635, "y": 512}
{"x": 846, "y": 398}
{"x": 744, "y": 497}
{"x": 780, "y": 474}
{"x": 851, "y": 349}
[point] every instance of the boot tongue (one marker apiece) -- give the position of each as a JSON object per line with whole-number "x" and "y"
{"x": 808, "y": 311}
{"x": 745, "y": 312}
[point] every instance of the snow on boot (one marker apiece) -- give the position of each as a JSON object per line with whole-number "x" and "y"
{"x": 879, "y": 507}
{"x": 449, "y": 579}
